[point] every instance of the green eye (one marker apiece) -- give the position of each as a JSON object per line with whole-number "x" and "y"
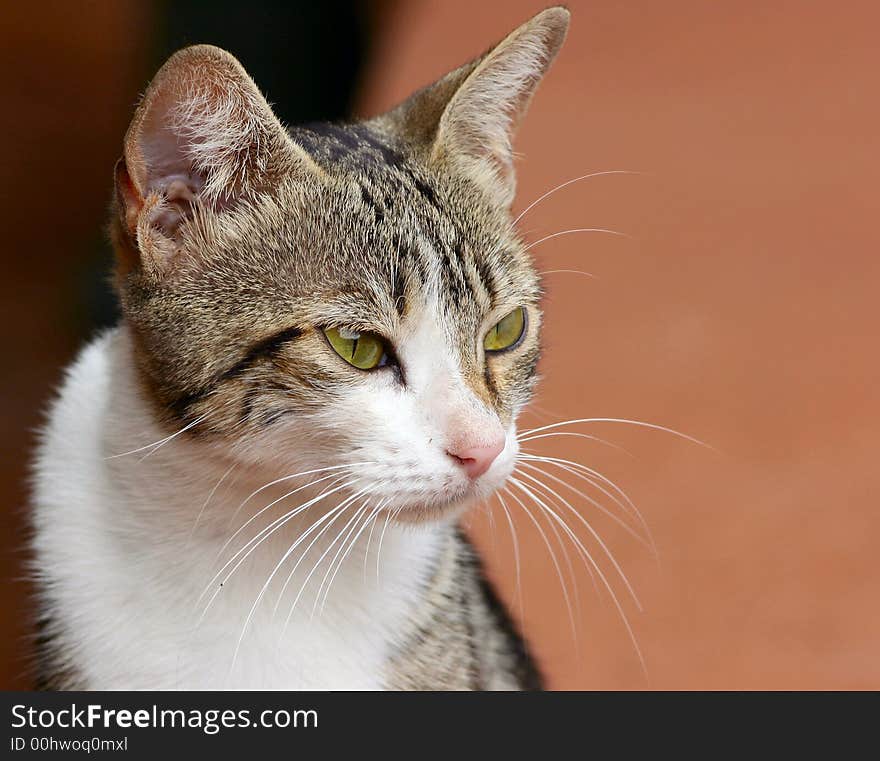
{"x": 365, "y": 351}
{"x": 507, "y": 332}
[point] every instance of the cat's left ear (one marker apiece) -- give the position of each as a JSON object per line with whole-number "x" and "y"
{"x": 471, "y": 114}
{"x": 202, "y": 136}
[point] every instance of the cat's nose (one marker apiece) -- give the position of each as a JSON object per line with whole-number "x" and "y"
{"x": 476, "y": 460}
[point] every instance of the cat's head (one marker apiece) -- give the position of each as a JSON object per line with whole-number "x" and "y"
{"x": 344, "y": 296}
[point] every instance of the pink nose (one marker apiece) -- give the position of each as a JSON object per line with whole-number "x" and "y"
{"x": 477, "y": 460}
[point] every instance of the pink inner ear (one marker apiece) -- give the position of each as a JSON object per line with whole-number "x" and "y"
{"x": 180, "y": 193}
{"x": 166, "y": 155}
{"x": 168, "y": 169}
{"x": 169, "y": 172}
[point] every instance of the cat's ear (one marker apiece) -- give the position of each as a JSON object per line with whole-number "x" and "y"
{"x": 203, "y": 135}
{"x": 471, "y": 114}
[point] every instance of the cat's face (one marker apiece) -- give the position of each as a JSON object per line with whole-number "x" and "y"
{"x": 344, "y": 297}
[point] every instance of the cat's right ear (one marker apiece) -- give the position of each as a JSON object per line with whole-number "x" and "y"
{"x": 467, "y": 119}
{"x": 202, "y": 139}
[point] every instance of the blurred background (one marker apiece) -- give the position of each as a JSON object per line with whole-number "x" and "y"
{"x": 742, "y": 310}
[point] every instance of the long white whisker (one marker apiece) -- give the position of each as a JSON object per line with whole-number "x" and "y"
{"x": 338, "y": 512}
{"x": 516, "y": 558}
{"x": 391, "y": 513}
{"x": 590, "y": 475}
{"x": 551, "y": 434}
{"x": 334, "y": 478}
{"x": 569, "y": 272}
{"x": 593, "y": 533}
{"x": 261, "y": 537}
{"x": 595, "y": 479}
{"x": 623, "y": 524}
{"x": 639, "y": 423}
{"x": 493, "y": 529}
{"x": 260, "y": 595}
{"x": 568, "y": 563}
{"x": 156, "y": 444}
{"x": 344, "y": 467}
{"x": 576, "y": 230}
{"x": 192, "y": 531}
{"x": 555, "y": 564}
{"x": 370, "y": 537}
{"x": 340, "y": 555}
{"x": 550, "y": 192}
{"x": 315, "y": 568}
{"x": 586, "y": 556}
{"x": 368, "y": 521}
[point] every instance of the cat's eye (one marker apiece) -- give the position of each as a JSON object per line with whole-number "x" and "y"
{"x": 365, "y": 351}
{"x": 507, "y": 332}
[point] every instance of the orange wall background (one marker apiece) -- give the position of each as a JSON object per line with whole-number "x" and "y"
{"x": 742, "y": 310}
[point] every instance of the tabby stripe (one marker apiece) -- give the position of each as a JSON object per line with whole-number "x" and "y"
{"x": 398, "y": 290}
{"x": 472, "y": 276}
{"x": 459, "y": 279}
{"x": 371, "y": 203}
{"x": 414, "y": 255}
{"x": 486, "y": 277}
{"x": 262, "y": 349}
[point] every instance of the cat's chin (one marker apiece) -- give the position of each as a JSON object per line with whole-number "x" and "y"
{"x": 442, "y": 510}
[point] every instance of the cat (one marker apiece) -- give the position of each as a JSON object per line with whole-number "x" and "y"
{"x": 254, "y": 481}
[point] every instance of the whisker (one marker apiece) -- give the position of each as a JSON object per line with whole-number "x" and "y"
{"x": 550, "y": 192}
{"x": 640, "y": 423}
{"x": 587, "y": 557}
{"x": 569, "y": 272}
{"x": 261, "y": 537}
{"x": 254, "y": 493}
{"x": 522, "y": 439}
{"x": 338, "y": 510}
{"x": 593, "y": 533}
{"x": 570, "y": 567}
{"x": 493, "y": 529}
{"x": 623, "y": 524}
{"x": 368, "y": 521}
{"x": 260, "y": 595}
{"x": 336, "y": 479}
{"x": 576, "y": 230}
{"x": 205, "y": 504}
{"x": 391, "y": 513}
{"x": 540, "y": 410}
{"x": 553, "y": 558}
{"x": 314, "y": 568}
{"x": 571, "y": 572}
{"x": 516, "y": 558}
{"x": 157, "y": 444}
{"x": 340, "y": 555}
{"x": 370, "y": 537}
{"x": 591, "y": 476}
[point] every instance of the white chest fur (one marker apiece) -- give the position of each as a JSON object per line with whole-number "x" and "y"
{"x": 127, "y": 547}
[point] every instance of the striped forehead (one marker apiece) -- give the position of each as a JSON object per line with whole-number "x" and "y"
{"x": 454, "y": 280}
{"x": 419, "y": 240}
